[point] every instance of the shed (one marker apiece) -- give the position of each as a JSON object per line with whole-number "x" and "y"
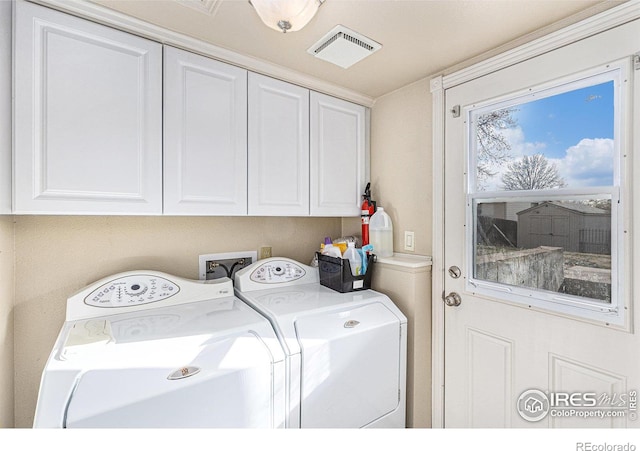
{"x": 573, "y": 226}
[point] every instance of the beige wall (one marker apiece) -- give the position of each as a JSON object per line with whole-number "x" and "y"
{"x": 57, "y": 255}
{"x": 410, "y": 290}
{"x": 6, "y": 321}
{"x": 401, "y": 162}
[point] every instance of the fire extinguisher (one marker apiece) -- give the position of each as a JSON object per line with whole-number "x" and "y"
{"x": 368, "y": 208}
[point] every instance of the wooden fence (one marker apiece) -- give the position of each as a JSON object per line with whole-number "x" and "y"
{"x": 595, "y": 241}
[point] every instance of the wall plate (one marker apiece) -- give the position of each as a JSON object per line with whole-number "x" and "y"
{"x": 203, "y": 260}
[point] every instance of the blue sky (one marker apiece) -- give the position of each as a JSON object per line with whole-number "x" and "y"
{"x": 573, "y": 130}
{"x": 563, "y": 120}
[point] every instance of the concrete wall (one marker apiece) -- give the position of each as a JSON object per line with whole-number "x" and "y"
{"x": 540, "y": 268}
{"x": 6, "y": 321}
{"x": 57, "y": 255}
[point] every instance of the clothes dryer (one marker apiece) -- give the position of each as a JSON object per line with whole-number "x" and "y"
{"x": 345, "y": 352}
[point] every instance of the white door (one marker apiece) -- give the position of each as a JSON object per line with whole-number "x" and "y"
{"x": 543, "y": 337}
{"x": 338, "y": 152}
{"x": 205, "y": 136}
{"x": 278, "y": 148}
{"x": 88, "y": 117}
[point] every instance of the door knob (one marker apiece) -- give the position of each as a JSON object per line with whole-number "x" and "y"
{"x": 453, "y": 299}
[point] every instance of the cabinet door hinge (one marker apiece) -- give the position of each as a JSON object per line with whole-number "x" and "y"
{"x": 636, "y": 61}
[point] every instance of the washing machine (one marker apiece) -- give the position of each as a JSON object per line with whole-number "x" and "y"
{"x": 146, "y": 349}
{"x": 345, "y": 352}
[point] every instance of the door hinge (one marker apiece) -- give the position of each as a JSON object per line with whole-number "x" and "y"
{"x": 636, "y": 61}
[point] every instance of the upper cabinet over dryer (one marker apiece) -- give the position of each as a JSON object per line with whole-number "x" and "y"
{"x": 338, "y": 154}
{"x": 88, "y": 117}
{"x": 205, "y": 136}
{"x": 307, "y": 151}
{"x": 104, "y": 123}
{"x": 278, "y": 148}
{"x": 5, "y": 107}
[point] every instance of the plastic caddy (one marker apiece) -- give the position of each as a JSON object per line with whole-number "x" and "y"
{"x": 335, "y": 273}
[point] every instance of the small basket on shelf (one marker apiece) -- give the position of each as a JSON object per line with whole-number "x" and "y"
{"x": 335, "y": 273}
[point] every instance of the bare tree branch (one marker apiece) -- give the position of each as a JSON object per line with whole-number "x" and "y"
{"x": 493, "y": 147}
{"x": 532, "y": 172}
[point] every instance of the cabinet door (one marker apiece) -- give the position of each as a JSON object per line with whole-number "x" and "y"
{"x": 5, "y": 107}
{"x": 205, "y": 136}
{"x": 88, "y": 117}
{"x": 278, "y": 148}
{"x": 338, "y": 152}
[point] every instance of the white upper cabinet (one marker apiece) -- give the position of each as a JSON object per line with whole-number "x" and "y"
{"x": 90, "y": 135}
{"x": 205, "y": 136}
{"x": 278, "y": 148}
{"x": 88, "y": 117}
{"x": 5, "y": 107}
{"x": 338, "y": 152}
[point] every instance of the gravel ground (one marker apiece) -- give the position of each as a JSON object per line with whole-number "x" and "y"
{"x": 588, "y": 260}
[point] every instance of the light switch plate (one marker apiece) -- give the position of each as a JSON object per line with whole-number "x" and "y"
{"x": 409, "y": 241}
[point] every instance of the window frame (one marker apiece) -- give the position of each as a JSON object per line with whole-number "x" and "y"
{"x": 565, "y": 304}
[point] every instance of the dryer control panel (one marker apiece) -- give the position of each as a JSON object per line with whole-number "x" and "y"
{"x": 274, "y": 272}
{"x": 277, "y": 271}
{"x": 126, "y": 291}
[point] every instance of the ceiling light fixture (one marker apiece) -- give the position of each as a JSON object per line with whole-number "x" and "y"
{"x": 286, "y": 15}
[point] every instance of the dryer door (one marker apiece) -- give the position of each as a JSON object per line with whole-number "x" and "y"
{"x": 350, "y": 366}
{"x": 227, "y": 382}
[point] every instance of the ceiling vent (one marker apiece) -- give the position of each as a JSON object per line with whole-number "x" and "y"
{"x": 343, "y": 47}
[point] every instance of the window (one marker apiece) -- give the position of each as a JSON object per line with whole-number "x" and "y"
{"x": 544, "y": 196}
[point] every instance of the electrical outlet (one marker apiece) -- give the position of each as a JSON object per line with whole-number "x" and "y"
{"x": 265, "y": 252}
{"x": 409, "y": 241}
{"x": 215, "y": 266}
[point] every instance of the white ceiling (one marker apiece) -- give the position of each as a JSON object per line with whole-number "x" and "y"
{"x": 419, "y": 37}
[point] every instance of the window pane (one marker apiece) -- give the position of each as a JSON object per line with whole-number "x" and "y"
{"x": 560, "y": 141}
{"x": 558, "y": 246}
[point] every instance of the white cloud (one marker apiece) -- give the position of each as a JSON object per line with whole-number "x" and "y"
{"x": 588, "y": 163}
{"x": 519, "y": 146}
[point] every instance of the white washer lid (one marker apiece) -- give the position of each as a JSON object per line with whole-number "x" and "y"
{"x": 161, "y": 335}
